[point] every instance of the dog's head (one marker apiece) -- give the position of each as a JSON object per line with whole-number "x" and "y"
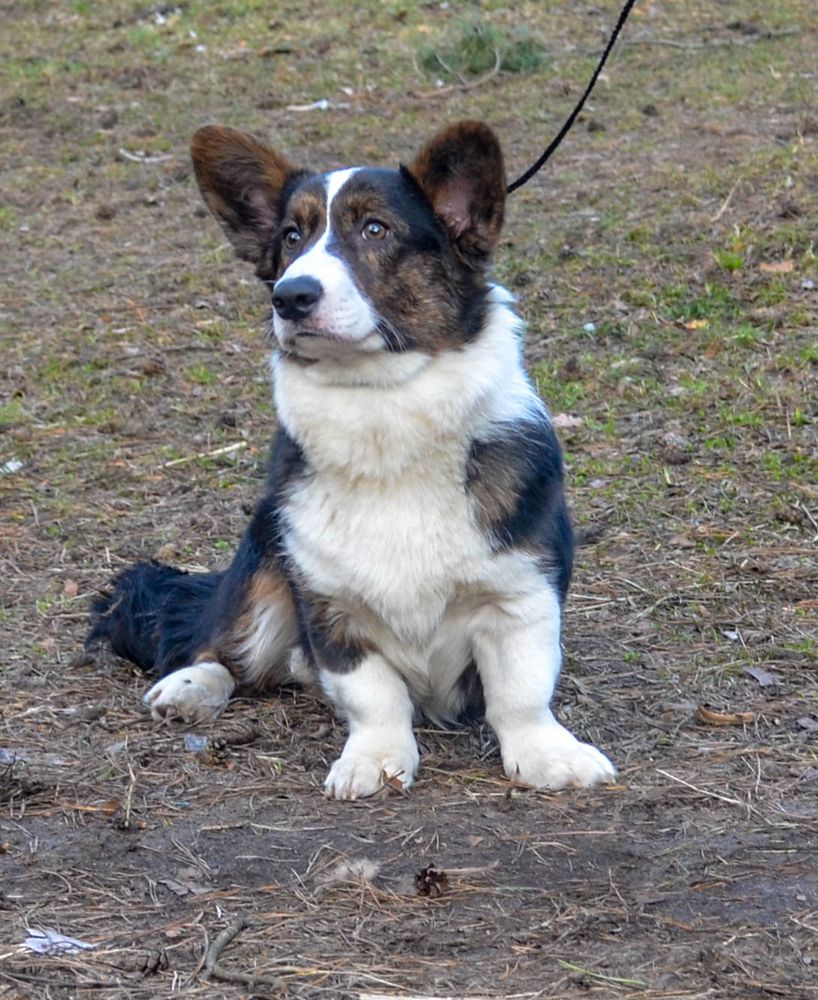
{"x": 366, "y": 259}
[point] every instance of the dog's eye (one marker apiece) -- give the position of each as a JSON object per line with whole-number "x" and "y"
{"x": 292, "y": 238}
{"x": 374, "y": 230}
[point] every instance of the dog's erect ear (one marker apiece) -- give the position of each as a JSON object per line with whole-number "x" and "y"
{"x": 241, "y": 180}
{"x": 461, "y": 173}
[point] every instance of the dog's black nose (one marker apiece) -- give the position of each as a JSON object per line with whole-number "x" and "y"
{"x": 296, "y": 298}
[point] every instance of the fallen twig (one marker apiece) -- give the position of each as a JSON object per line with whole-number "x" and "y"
{"x": 701, "y": 791}
{"x": 214, "y": 971}
{"x": 226, "y": 450}
{"x": 464, "y": 84}
{"x": 144, "y": 157}
{"x": 726, "y": 202}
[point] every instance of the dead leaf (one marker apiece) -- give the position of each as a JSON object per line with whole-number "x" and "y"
{"x": 71, "y": 588}
{"x": 711, "y": 718}
{"x": 697, "y": 324}
{"x": 681, "y": 542}
{"x": 777, "y": 267}
{"x": 764, "y": 677}
{"x": 187, "y": 882}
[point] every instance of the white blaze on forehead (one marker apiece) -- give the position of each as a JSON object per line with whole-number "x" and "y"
{"x": 334, "y": 182}
{"x": 342, "y": 313}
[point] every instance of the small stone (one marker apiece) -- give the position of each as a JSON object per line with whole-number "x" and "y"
{"x": 108, "y": 119}
{"x": 677, "y": 448}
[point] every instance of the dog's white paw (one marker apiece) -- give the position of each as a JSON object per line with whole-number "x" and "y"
{"x": 548, "y": 756}
{"x": 194, "y": 694}
{"x": 367, "y": 764}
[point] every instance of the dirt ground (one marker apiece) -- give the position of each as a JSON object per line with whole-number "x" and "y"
{"x": 665, "y": 262}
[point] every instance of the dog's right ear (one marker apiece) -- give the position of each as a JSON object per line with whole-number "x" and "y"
{"x": 241, "y": 181}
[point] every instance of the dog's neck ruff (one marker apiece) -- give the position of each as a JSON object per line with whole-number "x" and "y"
{"x": 380, "y": 415}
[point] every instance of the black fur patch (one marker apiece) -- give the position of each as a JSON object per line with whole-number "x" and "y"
{"x": 515, "y": 478}
{"x": 155, "y": 616}
{"x": 162, "y": 618}
{"x": 327, "y": 640}
{"x": 471, "y": 690}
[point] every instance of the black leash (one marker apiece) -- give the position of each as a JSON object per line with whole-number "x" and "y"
{"x": 526, "y": 177}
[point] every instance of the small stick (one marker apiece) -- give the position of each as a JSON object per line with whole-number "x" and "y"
{"x": 726, "y": 202}
{"x": 220, "y": 942}
{"x": 129, "y": 797}
{"x": 701, "y": 791}
{"x": 144, "y": 158}
{"x": 464, "y": 84}
{"x": 226, "y": 450}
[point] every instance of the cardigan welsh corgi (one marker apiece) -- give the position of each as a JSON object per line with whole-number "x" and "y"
{"x": 413, "y": 549}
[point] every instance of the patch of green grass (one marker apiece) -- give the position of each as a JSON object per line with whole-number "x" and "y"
{"x": 729, "y": 260}
{"x": 472, "y": 47}
{"x": 559, "y": 393}
{"x": 201, "y": 374}
{"x": 12, "y": 412}
{"x": 740, "y": 418}
{"x": 746, "y": 335}
{"x": 8, "y": 218}
{"x": 807, "y": 645}
{"x": 712, "y": 301}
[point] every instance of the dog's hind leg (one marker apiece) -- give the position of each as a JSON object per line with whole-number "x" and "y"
{"x": 248, "y": 647}
{"x": 198, "y": 693}
{"x": 204, "y": 634}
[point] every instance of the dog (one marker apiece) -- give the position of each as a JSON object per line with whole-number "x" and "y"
{"x": 413, "y": 550}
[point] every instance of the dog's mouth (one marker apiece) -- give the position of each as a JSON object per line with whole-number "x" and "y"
{"x": 291, "y": 336}
{"x": 309, "y": 343}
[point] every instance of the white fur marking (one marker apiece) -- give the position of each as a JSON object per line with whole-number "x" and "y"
{"x": 518, "y": 656}
{"x": 199, "y": 693}
{"x": 381, "y": 747}
{"x": 343, "y": 314}
{"x": 384, "y": 519}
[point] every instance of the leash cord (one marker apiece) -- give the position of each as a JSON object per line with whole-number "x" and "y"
{"x": 526, "y": 177}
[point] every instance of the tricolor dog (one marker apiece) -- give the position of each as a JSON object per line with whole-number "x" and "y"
{"x": 413, "y": 548}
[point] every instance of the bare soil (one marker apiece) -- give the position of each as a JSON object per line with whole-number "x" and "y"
{"x": 666, "y": 264}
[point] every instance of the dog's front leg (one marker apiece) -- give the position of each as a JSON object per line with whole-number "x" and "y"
{"x": 517, "y": 651}
{"x": 381, "y": 747}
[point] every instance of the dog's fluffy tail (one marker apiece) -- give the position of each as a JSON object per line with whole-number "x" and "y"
{"x": 154, "y": 615}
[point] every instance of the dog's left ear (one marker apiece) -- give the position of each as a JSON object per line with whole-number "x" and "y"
{"x": 460, "y": 170}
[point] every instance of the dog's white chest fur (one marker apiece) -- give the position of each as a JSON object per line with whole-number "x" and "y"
{"x": 400, "y": 546}
{"x": 384, "y": 519}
